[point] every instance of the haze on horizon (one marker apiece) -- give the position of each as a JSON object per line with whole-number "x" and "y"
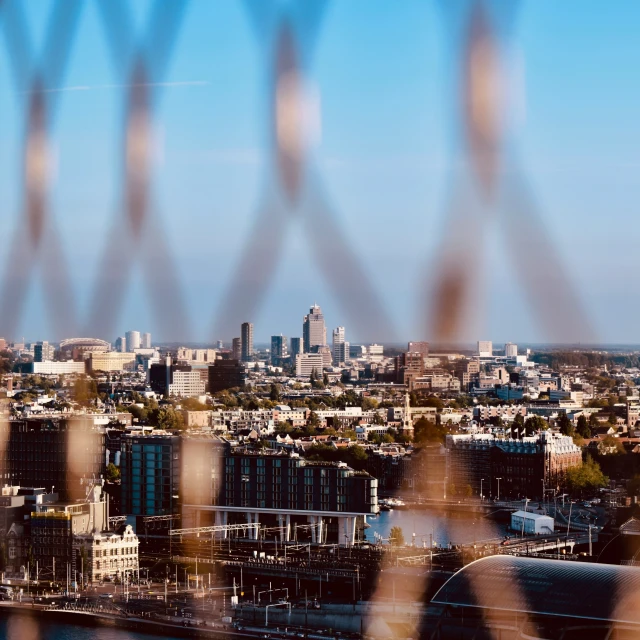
{"x": 386, "y": 155}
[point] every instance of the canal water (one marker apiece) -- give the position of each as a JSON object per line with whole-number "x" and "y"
{"x": 20, "y": 627}
{"x": 430, "y": 525}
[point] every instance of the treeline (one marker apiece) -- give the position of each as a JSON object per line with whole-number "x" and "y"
{"x": 586, "y": 359}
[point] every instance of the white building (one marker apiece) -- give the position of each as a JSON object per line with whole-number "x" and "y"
{"x": 306, "y": 363}
{"x": 485, "y": 348}
{"x": 187, "y": 384}
{"x": 58, "y": 368}
{"x": 510, "y": 350}
{"x": 121, "y": 344}
{"x": 534, "y": 523}
{"x": 340, "y": 347}
{"x": 109, "y": 554}
{"x": 146, "y": 341}
{"x": 133, "y": 340}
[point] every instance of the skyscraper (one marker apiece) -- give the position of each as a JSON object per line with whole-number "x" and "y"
{"x": 121, "y": 344}
{"x": 236, "y": 349}
{"x": 510, "y": 350}
{"x": 247, "y": 341}
{"x": 133, "y": 340}
{"x": 146, "y": 341}
{"x": 314, "y": 332}
{"x": 278, "y": 349}
{"x": 296, "y": 348}
{"x": 340, "y": 347}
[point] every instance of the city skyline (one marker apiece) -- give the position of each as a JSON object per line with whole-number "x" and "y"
{"x": 372, "y": 176}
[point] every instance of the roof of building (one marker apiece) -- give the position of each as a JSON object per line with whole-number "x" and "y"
{"x": 529, "y": 515}
{"x": 546, "y": 587}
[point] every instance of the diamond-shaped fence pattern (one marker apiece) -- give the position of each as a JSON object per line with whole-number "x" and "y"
{"x": 488, "y": 183}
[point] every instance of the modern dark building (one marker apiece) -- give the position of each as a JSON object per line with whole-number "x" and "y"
{"x": 316, "y": 501}
{"x": 226, "y": 374}
{"x": 52, "y": 453}
{"x": 296, "y": 348}
{"x": 278, "y": 350}
{"x": 150, "y": 468}
{"x": 247, "y": 341}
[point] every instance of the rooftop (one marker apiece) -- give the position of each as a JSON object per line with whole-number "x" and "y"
{"x": 547, "y": 587}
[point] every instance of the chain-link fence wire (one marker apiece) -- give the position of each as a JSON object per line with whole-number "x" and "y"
{"x": 488, "y": 186}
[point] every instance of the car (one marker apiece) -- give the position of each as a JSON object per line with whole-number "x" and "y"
{"x": 107, "y": 596}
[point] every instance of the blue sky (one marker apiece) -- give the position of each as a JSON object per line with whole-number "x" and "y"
{"x": 385, "y": 72}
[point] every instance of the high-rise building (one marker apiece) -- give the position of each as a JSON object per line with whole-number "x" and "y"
{"x": 219, "y": 345}
{"x": 133, "y": 340}
{"x": 247, "y": 341}
{"x": 121, "y": 344}
{"x": 236, "y": 348}
{"x": 146, "y": 341}
{"x": 419, "y": 347}
{"x": 308, "y": 363}
{"x": 314, "y": 332}
{"x": 150, "y": 474}
{"x": 278, "y": 349}
{"x": 485, "y": 348}
{"x": 340, "y": 347}
{"x": 296, "y": 348}
{"x": 226, "y": 374}
{"x": 510, "y": 350}
{"x": 43, "y": 352}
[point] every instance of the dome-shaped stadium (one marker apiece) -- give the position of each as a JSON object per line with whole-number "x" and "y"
{"x": 76, "y": 347}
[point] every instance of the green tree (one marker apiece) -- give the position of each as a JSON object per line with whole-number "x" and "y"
{"x": 166, "y": 418}
{"x": 517, "y": 425}
{"x": 594, "y": 423}
{"x": 425, "y": 431}
{"x": 565, "y": 425}
{"x": 396, "y": 537}
{"x": 583, "y": 428}
{"x": 274, "y": 393}
{"x": 282, "y": 428}
{"x": 585, "y": 477}
{"x": 193, "y": 404}
{"x": 369, "y": 404}
{"x": 85, "y": 390}
{"x": 533, "y": 424}
{"x": 113, "y": 472}
{"x": 313, "y": 421}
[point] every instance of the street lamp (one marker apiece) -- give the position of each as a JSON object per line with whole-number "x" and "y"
{"x": 481, "y": 494}
{"x": 498, "y": 479}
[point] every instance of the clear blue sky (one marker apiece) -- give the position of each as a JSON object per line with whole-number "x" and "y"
{"x": 382, "y": 69}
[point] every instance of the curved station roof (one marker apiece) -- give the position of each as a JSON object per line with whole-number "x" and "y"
{"x": 546, "y": 587}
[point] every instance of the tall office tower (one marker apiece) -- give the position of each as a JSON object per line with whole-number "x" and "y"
{"x": 236, "y": 349}
{"x": 219, "y": 345}
{"x": 146, "y": 341}
{"x": 485, "y": 348}
{"x": 247, "y": 341}
{"x": 340, "y": 348}
{"x": 314, "y": 332}
{"x": 278, "y": 349}
{"x": 133, "y": 340}
{"x": 510, "y": 350}
{"x": 419, "y": 347}
{"x": 121, "y": 344}
{"x": 296, "y": 348}
{"x": 42, "y": 352}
